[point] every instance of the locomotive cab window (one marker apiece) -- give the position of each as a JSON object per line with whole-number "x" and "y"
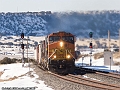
{"x": 54, "y": 38}
{"x": 68, "y": 39}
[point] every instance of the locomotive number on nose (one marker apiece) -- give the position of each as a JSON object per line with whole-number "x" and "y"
{"x": 61, "y": 51}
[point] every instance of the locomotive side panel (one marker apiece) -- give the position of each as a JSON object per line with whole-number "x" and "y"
{"x": 38, "y": 53}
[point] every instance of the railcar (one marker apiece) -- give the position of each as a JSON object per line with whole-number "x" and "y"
{"x": 57, "y": 52}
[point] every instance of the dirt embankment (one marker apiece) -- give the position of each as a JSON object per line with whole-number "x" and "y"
{"x": 98, "y": 55}
{"x": 116, "y": 55}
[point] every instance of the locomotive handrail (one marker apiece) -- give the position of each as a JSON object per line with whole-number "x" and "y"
{"x": 52, "y": 53}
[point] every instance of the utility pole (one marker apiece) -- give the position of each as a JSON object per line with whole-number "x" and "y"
{"x": 119, "y": 40}
{"x": 108, "y": 40}
{"x": 27, "y": 54}
{"x": 27, "y": 49}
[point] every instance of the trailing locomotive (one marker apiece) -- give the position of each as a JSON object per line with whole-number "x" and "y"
{"x": 57, "y": 52}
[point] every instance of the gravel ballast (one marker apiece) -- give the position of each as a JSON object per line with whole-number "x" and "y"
{"x": 59, "y": 84}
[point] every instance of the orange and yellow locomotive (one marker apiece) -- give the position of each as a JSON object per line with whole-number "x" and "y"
{"x": 57, "y": 52}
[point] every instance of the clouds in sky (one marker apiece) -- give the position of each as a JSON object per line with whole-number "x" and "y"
{"x": 57, "y": 5}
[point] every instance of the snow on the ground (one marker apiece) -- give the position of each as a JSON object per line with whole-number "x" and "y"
{"x": 14, "y": 75}
{"x": 86, "y": 61}
{"x": 96, "y": 64}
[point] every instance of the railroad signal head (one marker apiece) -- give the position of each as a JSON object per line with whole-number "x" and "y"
{"x": 90, "y": 34}
{"x": 90, "y": 45}
{"x": 22, "y": 46}
{"x": 22, "y": 35}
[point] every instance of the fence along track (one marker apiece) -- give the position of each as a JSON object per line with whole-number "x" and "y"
{"x": 91, "y": 83}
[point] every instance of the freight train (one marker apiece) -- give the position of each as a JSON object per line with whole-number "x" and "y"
{"x": 57, "y": 52}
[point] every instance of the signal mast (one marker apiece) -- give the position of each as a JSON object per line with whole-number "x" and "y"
{"x": 22, "y": 46}
{"x": 90, "y": 46}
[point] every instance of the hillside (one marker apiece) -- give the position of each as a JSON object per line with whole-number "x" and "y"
{"x": 78, "y": 23}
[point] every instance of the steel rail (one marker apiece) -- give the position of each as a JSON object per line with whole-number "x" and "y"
{"x": 76, "y": 80}
{"x": 93, "y": 81}
{"x": 109, "y": 74}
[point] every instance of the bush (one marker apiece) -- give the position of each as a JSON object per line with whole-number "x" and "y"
{"x": 7, "y": 60}
{"x": 26, "y": 60}
{"x": 98, "y": 55}
{"x": 30, "y": 60}
{"x": 117, "y": 63}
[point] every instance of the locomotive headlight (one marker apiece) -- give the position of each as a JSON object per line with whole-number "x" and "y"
{"x": 54, "y": 56}
{"x": 61, "y": 44}
{"x": 68, "y": 56}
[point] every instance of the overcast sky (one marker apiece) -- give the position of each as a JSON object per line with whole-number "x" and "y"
{"x": 57, "y": 5}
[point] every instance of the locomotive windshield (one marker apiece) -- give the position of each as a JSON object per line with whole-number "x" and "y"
{"x": 54, "y": 38}
{"x": 68, "y": 39}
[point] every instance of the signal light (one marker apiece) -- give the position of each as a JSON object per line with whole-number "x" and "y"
{"x": 90, "y": 45}
{"x": 90, "y": 34}
{"x": 22, "y": 35}
{"x": 22, "y": 46}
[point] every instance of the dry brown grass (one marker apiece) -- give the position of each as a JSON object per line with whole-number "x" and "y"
{"x": 116, "y": 55}
{"x": 98, "y": 55}
{"x": 13, "y": 78}
{"x": 117, "y": 63}
{"x": 1, "y": 73}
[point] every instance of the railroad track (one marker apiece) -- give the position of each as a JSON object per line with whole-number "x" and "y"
{"x": 117, "y": 74}
{"x": 87, "y": 82}
{"x": 42, "y": 68}
{"x": 109, "y": 74}
{"x": 95, "y": 83}
{"x": 113, "y": 75}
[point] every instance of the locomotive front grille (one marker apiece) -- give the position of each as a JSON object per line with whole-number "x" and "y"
{"x": 60, "y": 54}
